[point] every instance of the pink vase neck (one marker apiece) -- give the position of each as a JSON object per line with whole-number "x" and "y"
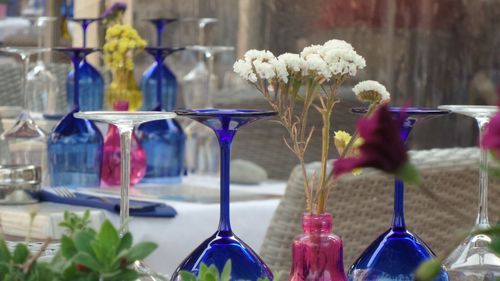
{"x": 317, "y": 223}
{"x": 120, "y": 105}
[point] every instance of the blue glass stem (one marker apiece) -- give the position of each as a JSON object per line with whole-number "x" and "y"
{"x": 85, "y": 24}
{"x": 398, "y": 218}
{"x": 76, "y": 74}
{"x": 159, "y": 31}
{"x": 225, "y": 139}
{"x": 159, "y": 97}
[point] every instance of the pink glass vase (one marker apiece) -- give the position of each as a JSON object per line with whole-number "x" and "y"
{"x": 317, "y": 253}
{"x": 110, "y": 172}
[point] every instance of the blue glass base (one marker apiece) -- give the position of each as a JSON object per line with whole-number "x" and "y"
{"x": 217, "y": 250}
{"x": 168, "y": 88}
{"x": 75, "y": 153}
{"x": 164, "y": 143}
{"x": 91, "y": 88}
{"x": 394, "y": 255}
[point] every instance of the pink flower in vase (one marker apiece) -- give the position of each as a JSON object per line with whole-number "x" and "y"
{"x": 382, "y": 148}
{"x": 110, "y": 172}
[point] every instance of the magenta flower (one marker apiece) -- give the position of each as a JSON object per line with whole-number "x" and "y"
{"x": 382, "y": 148}
{"x": 491, "y": 138}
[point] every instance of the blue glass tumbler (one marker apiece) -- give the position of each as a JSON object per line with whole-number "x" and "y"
{"x": 163, "y": 140}
{"x": 91, "y": 83}
{"x": 396, "y": 253}
{"x": 223, "y": 245}
{"x": 75, "y": 145}
{"x": 150, "y": 79}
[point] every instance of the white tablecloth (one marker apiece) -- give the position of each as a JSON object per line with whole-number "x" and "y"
{"x": 195, "y": 222}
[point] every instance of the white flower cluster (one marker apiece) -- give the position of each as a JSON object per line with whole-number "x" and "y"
{"x": 370, "y": 91}
{"x": 334, "y": 58}
{"x": 260, "y": 65}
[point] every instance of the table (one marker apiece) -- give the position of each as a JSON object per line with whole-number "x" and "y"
{"x": 195, "y": 221}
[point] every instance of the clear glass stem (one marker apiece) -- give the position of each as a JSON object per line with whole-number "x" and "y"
{"x": 482, "y": 216}
{"x": 209, "y": 57}
{"x": 125, "y": 139}
{"x": 24, "y": 81}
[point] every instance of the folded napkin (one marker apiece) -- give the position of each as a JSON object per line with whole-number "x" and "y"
{"x": 137, "y": 208}
{"x": 16, "y": 221}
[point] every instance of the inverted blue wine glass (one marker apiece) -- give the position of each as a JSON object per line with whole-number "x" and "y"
{"x": 149, "y": 79}
{"x": 75, "y": 145}
{"x": 163, "y": 140}
{"x": 90, "y": 80}
{"x": 223, "y": 245}
{"x": 396, "y": 253}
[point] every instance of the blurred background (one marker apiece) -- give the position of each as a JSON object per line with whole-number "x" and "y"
{"x": 427, "y": 53}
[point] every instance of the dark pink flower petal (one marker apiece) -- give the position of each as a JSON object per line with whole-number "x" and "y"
{"x": 382, "y": 148}
{"x": 491, "y": 138}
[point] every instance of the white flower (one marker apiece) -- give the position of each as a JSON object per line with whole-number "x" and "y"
{"x": 338, "y": 44}
{"x": 280, "y": 69}
{"x": 316, "y": 65}
{"x": 263, "y": 55}
{"x": 344, "y": 61}
{"x": 371, "y": 91}
{"x": 245, "y": 70}
{"x": 264, "y": 70}
{"x": 293, "y": 62}
{"x": 313, "y": 49}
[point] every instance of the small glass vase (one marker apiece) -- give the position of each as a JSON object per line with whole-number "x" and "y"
{"x": 123, "y": 87}
{"x": 317, "y": 254}
{"x": 110, "y": 171}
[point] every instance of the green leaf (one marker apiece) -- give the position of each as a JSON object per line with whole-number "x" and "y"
{"x": 21, "y": 253}
{"x": 141, "y": 251}
{"x": 82, "y": 240}
{"x": 108, "y": 235}
{"x": 226, "y": 272}
{"x": 409, "y": 174}
{"x": 125, "y": 243}
{"x": 428, "y": 270}
{"x": 4, "y": 252}
{"x": 495, "y": 244}
{"x": 87, "y": 260}
{"x": 125, "y": 275}
{"x": 68, "y": 249}
{"x": 187, "y": 276}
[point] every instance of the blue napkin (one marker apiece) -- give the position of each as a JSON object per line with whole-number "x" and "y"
{"x": 137, "y": 208}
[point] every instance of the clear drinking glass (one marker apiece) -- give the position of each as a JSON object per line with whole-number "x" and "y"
{"x": 42, "y": 84}
{"x": 223, "y": 244}
{"x": 198, "y": 87}
{"x": 26, "y": 143}
{"x": 125, "y": 122}
{"x": 473, "y": 259}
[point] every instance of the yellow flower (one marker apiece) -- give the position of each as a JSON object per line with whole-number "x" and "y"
{"x": 341, "y": 139}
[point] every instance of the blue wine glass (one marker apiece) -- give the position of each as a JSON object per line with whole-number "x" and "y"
{"x": 75, "y": 145}
{"x": 396, "y": 253}
{"x": 163, "y": 140}
{"x": 91, "y": 81}
{"x": 150, "y": 76}
{"x": 224, "y": 245}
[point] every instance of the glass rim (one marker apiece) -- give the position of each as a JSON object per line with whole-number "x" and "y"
{"x": 216, "y": 112}
{"x": 103, "y": 116}
{"x": 407, "y": 110}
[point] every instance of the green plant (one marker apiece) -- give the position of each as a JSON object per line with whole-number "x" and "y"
{"x": 85, "y": 255}
{"x": 211, "y": 273}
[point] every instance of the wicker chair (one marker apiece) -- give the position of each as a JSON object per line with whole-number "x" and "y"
{"x": 362, "y": 206}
